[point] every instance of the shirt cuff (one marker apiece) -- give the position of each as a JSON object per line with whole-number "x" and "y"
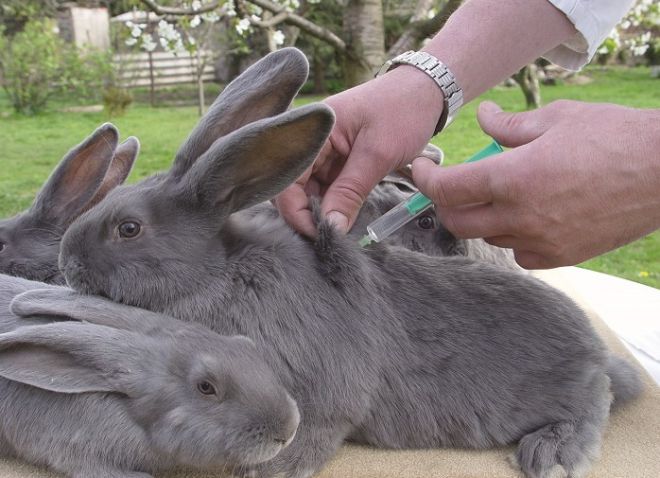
{"x": 593, "y": 21}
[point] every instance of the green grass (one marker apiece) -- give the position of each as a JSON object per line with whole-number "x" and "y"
{"x": 31, "y": 146}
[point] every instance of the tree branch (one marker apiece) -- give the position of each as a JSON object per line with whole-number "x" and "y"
{"x": 271, "y": 22}
{"x": 281, "y": 15}
{"x": 305, "y": 25}
{"x": 421, "y": 28}
{"x": 160, "y": 10}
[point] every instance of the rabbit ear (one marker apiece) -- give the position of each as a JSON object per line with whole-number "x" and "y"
{"x": 77, "y": 178}
{"x": 69, "y": 357}
{"x": 258, "y": 161}
{"x": 265, "y": 89}
{"x": 120, "y": 167}
{"x": 62, "y": 302}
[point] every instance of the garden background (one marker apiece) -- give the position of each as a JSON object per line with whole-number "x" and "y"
{"x": 57, "y": 88}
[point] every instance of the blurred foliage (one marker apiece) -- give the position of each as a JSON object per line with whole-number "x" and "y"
{"x": 36, "y": 64}
{"x": 15, "y": 14}
{"x": 116, "y": 101}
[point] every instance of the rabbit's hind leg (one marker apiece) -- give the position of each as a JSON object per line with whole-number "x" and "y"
{"x": 566, "y": 449}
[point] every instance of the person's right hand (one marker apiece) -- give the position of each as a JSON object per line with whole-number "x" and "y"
{"x": 381, "y": 125}
{"x": 581, "y": 179}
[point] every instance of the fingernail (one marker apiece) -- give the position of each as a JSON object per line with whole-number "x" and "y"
{"x": 489, "y": 107}
{"x": 420, "y": 161}
{"x": 339, "y": 220}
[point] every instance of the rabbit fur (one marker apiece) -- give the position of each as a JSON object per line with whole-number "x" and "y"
{"x": 29, "y": 241}
{"x": 382, "y": 345}
{"x": 117, "y": 396}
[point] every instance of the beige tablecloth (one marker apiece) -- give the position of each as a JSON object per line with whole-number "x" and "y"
{"x": 631, "y": 448}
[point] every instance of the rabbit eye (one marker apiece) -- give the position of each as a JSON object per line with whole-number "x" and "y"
{"x": 206, "y": 388}
{"x": 426, "y": 222}
{"x": 129, "y": 229}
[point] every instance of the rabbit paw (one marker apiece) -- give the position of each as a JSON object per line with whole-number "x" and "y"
{"x": 557, "y": 450}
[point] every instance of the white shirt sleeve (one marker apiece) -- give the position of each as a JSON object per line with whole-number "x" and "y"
{"x": 593, "y": 20}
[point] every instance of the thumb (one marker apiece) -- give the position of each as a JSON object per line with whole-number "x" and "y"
{"x": 512, "y": 129}
{"x": 345, "y": 196}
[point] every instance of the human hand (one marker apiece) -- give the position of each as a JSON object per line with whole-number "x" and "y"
{"x": 581, "y": 180}
{"x": 381, "y": 125}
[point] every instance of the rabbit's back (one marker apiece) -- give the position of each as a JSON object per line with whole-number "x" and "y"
{"x": 489, "y": 354}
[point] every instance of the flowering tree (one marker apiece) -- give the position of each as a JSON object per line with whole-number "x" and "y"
{"x": 635, "y": 33}
{"x": 361, "y": 43}
{"x": 190, "y": 35}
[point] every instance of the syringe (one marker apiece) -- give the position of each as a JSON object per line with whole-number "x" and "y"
{"x": 406, "y": 211}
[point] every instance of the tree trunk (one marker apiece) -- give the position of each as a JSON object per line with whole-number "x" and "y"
{"x": 270, "y": 32}
{"x": 318, "y": 69}
{"x": 528, "y": 80}
{"x": 364, "y": 33}
{"x": 199, "y": 69}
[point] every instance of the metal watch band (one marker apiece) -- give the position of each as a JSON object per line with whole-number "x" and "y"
{"x": 438, "y": 71}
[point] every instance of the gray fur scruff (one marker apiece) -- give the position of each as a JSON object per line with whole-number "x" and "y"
{"x": 382, "y": 345}
{"x": 30, "y": 240}
{"x": 118, "y": 396}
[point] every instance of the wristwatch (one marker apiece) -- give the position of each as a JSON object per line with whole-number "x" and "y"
{"x": 438, "y": 71}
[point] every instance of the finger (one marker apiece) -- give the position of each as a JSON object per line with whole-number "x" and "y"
{"x": 513, "y": 129}
{"x": 459, "y": 185}
{"x": 505, "y": 241}
{"x": 293, "y": 205}
{"x": 533, "y": 260}
{"x": 344, "y": 197}
{"x": 475, "y": 221}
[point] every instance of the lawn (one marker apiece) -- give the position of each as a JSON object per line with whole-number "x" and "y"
{"x": 31, "y": 146}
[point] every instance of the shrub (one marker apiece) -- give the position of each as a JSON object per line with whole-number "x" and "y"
{"x": 30, "y": 63}
{"x": 36, "y": 64}
{"x": 116, "y": 100}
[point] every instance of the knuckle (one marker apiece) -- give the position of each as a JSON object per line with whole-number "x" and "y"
{"x": 351, "y": 190}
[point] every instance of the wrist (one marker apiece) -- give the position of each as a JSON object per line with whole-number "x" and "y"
{"x": 416, "y": 94}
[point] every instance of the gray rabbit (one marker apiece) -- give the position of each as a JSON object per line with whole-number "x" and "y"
{"x": 383, "y": 345}
{"x": 29, "y": 241}
{"x": 128, "y": 392}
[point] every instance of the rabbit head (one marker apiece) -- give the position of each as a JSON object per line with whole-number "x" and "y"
{"x": 205, "y": 400}
{"x": 29, "y": 241}
{"x": 163, "y": 231}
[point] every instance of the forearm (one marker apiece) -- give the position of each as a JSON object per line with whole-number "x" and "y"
{"x": 511, "y": 34}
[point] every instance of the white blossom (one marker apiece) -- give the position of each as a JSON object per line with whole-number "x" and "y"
{"x": 639, "y": 50}
{"x": 148, "y": 43}
{"x": 196, "y": 20}
{"x": 278, "y": 37}
{"x": 196, "y": 5}
{"x": 230, "y": 9}
{"x": 131, "y": 41}
{"x": 167, "y": 31}
{"x": 210, "y": 17}
{"x": 136, "y": 31}
{"x": 242, "y": 26}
